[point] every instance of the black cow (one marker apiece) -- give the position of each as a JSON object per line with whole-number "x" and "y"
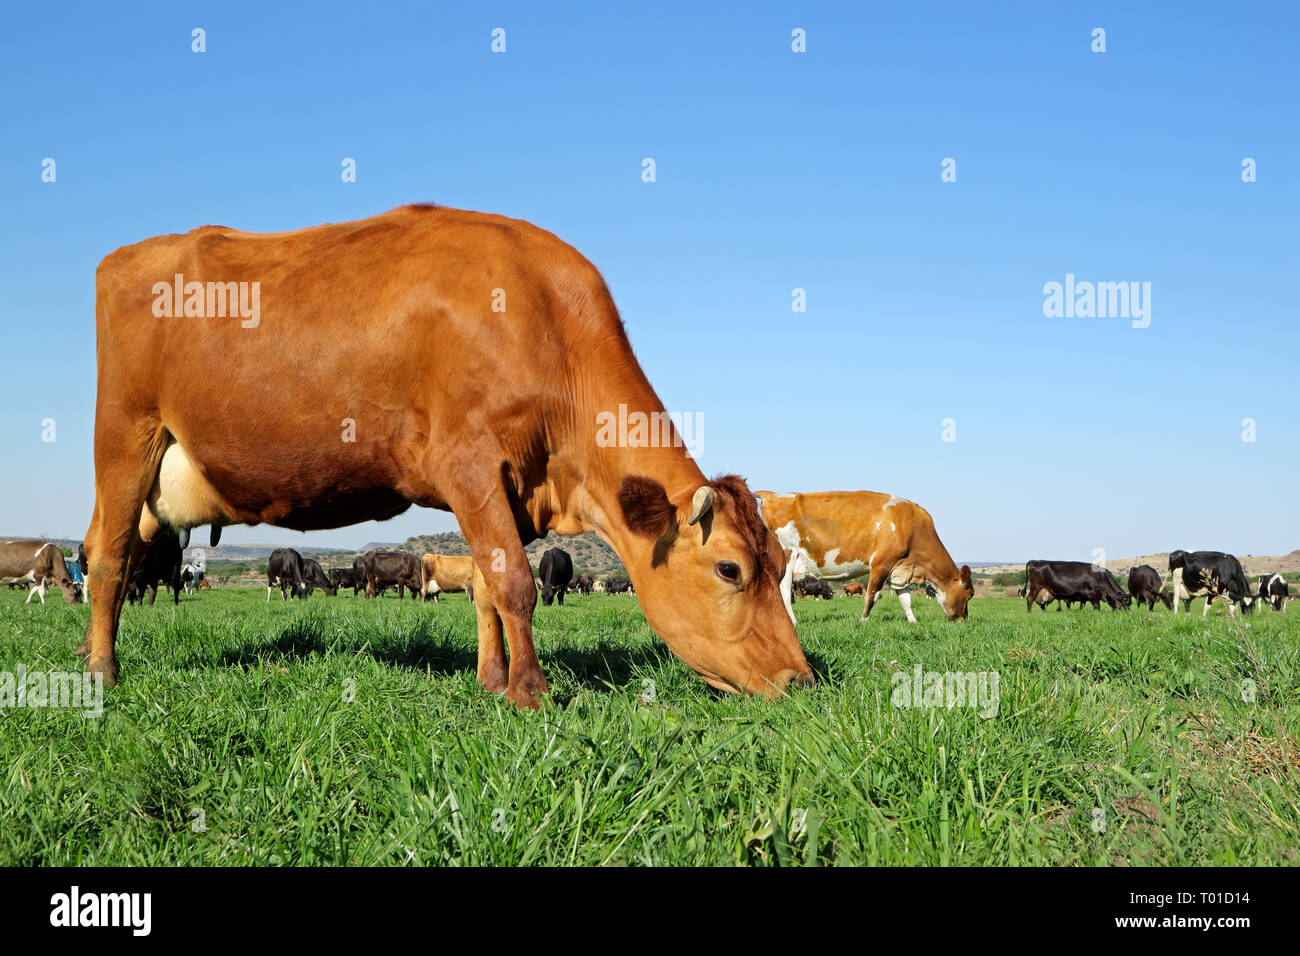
{"x": 162, "y": 563}
{"x": 393, "y": 569}
{"x": 345, "y": 578}
{"x": 556, "y": 571}
{"x": 285, "y": 570}
{"x": 1212, "y": 574}
{"x": 814, "y": 588}
{"x": 314, "y": 577}
{"x": 1073, "y": 581}
{"x": 1144, "y": 584}
{"x": 583, "y": 583}
{"x": 1273, "y": 591}
{"x": 359, "y": 575}
{"x": 618, "y": 586}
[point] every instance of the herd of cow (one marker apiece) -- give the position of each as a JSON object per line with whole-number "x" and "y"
{"x": 500, "y": 418}
{"x": 1208, "y": 574}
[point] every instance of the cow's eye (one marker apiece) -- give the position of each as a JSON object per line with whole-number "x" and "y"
{"x": 729, "y": 571}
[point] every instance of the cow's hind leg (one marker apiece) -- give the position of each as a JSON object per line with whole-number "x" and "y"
{"x": 127, "y": 456}
{"x": 874, "y": 583}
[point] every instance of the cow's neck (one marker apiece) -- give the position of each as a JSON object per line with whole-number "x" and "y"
{"x": 598, "y": 452}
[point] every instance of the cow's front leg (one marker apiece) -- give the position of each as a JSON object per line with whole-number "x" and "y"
{"x": 507, "y": 596}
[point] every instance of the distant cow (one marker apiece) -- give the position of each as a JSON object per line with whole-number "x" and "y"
{"x": 314, "y": 576}
{"x": 359, "y": 576}
{"x": 1145, "y": 585}
{"x": 1212, "y": 574}
{"x": 598, "y": 587}
{"x": 618, "y": 586}
{"x": 285, "y": 570}
{"x": 814, "y": 588}
{"x": 446, "y": 574}
{"x": 843, "y": 535}
{"x": 393, "y": 569}
{"x": 344, "y": 578}
{"x": 1073, "y": 580}
{"x": 1273, "y": 591}
{"x": 161, "y": 564}
{"x": 854, "y": 588}
{"x": 42, "y": 564}
{"x": 1045, "y": 597}
{"x": 583, "y": 583}
{"x": 556, "y": 571}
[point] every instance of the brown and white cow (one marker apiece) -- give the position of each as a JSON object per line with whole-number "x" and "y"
{"x": 842, "y": 535}
{"x": 437, "y": 357}
{"x": 39, "y": 563}
{"x": 446, "y": 574}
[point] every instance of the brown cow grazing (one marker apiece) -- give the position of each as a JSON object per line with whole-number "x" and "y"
{"x": 36, "y": 562}
{"x": 446, "y": 574}
{"x": 392, "y": 569}
{"x": 511, "y": 418}
{"x": 854, "y": 588}
{"x": 841, "y": 535}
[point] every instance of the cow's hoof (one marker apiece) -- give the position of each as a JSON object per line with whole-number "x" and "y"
{"x": 493, "y": 678}
{"x": 105, "y": 667}
{"x": 526, "y": 693}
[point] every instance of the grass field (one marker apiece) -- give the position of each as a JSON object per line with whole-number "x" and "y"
{"x": 345, "y": 731}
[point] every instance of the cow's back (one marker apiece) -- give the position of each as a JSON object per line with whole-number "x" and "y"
{"x": 373, "y": 340}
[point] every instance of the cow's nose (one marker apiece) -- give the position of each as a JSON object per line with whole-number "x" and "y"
{"x": 791, "y": 678}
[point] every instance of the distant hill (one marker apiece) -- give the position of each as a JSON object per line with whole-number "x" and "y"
{"x": 591, "y": 555}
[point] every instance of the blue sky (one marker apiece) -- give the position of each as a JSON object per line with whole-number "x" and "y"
{"x": 775, "y": 170}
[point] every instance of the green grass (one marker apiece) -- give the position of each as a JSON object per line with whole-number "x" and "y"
{"x": 234, "y": 713}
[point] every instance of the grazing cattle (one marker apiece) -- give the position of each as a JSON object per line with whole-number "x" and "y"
{"x": 393, "y": 569}
{"x": 314, "y": 576}
{"x": 161, "y": 564}
{"x": 41, "y": 564}
{"x": 1273, "y": 591}
{"x": 841, "y": 535}
{"x": 598, "y": 587}
{"x": 446, "y": 574}
{"x": 1212, "y": 574}
{"x": 814, "y": 588}
{"x": 1073, "y": 581}
{"x": 583, "y": 583}
{"x": 1044, "y": 597}
{"x": 1145, "y": 585}
{"x": 359, "y": 575}
{"x": 344, "y": 578}
{"x": 556, "y": 570}
{"x": 393, "y": 319}
{"x": 854, "y": 588}
{"x": 285, "y": 570}
{"x": 192, "y": 577}
{"x": 618, "y": 586}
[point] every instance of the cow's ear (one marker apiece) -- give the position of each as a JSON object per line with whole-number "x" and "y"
{"x": 965, "y": 574}
{"x": 646, "y": 508}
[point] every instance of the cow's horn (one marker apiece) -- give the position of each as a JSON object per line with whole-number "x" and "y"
{"x": 702, "y": 502}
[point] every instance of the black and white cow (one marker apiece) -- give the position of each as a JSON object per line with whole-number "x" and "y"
{"x": 1273, "y": 591}
{"x": 285, "y": 570}
{"x": 1210, "y": 574}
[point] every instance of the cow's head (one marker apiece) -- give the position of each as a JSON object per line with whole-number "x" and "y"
{"x": 956, "y": 594}
{"x": 707, "y": 572}
{"x": 71, "y": 591}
